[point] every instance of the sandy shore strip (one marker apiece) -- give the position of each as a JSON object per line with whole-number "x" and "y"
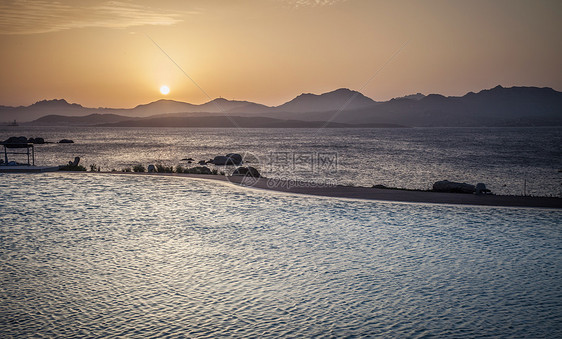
{"x": 367, "y": 193}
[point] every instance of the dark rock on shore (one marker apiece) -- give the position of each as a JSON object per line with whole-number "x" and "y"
{"x": 66, "y": 141}
{"x": 36, "y": 140}
{"x": 235, "y": 158}
{"x": 453, "y": 187}
{"x": 481, "y": 189}
{"x": 220, "y": 160}
{"x": 247, "y": 171}
{"x": 23, "y": 140}
{"x": 15, "y": 141}
{"x": 229, "y": 159}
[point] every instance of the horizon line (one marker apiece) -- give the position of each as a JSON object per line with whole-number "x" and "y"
{"x": 274, "y": 106}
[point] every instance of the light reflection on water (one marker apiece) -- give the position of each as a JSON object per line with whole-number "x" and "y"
{"x": 507, "y": 160}
{"x": 106, "y": 255}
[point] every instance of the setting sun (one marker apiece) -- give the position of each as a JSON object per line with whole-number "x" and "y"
{"x": 164, "y": 89}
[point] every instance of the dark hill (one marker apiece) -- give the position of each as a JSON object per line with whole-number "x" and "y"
{"x": 342, "y": 98}
{"x": 92, "y": 119}
{"x": 233, "y": 122}
{"x": 499, "y": 106}
{"x": 516, "y": 106}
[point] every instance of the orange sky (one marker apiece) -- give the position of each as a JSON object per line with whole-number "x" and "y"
{"x": 100, "y": 53}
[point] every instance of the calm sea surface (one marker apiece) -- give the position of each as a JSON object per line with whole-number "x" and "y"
{"x": 101, "y": 255}
{"x": 507, "y": 160}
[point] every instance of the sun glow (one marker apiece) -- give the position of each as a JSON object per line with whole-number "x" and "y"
{"x": 164, "y": 89}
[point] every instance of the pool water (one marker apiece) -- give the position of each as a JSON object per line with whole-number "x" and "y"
{"x": 101, "y": 255}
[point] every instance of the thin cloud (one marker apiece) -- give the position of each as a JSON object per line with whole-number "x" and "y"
{"x": 312, "y": 3}
{"x": 37, "y": 16}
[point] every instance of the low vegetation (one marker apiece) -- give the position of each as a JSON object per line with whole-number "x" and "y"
{"x": 160, "y": 168}
{"x": 164, "y": 169}
{"x": 139, "y": 168}
{"x": 72, "y": 167}
{"x": 199, "y": 170}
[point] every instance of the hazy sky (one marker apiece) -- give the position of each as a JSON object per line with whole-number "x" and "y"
{"x": 105, "y": 53}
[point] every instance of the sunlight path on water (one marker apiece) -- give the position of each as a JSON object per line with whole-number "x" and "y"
{"x": 105, "y": 255}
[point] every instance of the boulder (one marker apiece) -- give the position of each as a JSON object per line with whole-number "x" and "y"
{"x": 247, "y": 172}
{"x": 481, "y": 189}
{"x": 16, "y": 140}
{"x": 453, "y": 187}
{"x": 229, "y": 159}
{"x": 36, "y": 140}
{"x": 151, "y": 168}
{"x": 235, "y": 158}
{"x": 202, "y": 162}
{"x": 66, "y": 141}
{"x": 220, "y": 160}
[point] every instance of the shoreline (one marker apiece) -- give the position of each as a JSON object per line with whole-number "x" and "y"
{"x": 359, "y": 193}
{"x": 367, "y": 193}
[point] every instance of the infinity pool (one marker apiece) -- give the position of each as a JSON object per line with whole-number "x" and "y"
{"x": 101, "y": 255}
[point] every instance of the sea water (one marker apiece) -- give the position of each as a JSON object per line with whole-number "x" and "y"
{"x": 513, "y": 161}
{"x": 101, "y": 255}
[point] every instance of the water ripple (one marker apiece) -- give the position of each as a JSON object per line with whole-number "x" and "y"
{"x": 105, "y": 256}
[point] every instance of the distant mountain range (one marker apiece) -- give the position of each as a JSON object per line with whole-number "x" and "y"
{"x": 499, "y": 106}
{"x": 238, "y": 121}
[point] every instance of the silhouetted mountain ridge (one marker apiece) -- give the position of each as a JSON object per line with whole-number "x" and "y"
{"x": 54, "y": 103}
{"x": 416, "y": 96}
{"x": 342, "y": 98}
{"x": 228, "y": 121}
{"x": 92, "y": 119}
{"x": 164, "y": 106}
{"x": 498, "y": 106}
